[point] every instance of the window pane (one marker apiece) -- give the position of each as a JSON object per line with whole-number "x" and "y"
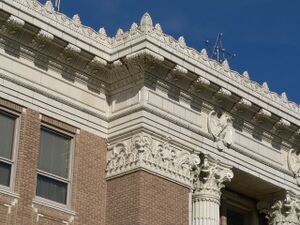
{"x": 51, "y": 189}
{"x": 54, "y": 153}
{"x": 6, "y": 135}
{"x": 5, "y": 173}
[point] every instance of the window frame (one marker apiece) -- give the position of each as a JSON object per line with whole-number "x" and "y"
{"x": 240, "y": 204}
{"x": 69, "y": 180}
{"x": 14, "y": 151}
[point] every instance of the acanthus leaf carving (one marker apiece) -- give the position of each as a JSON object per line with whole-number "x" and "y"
{"x": 211, "y": 177}
{"x": 220, "y": 126}
{"x": 282, "y": 211}
{"x": 141, "y": 151}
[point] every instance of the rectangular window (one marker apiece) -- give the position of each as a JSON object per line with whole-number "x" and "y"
{"x": 53, "y": 178}
{"x": 7, "y": 138}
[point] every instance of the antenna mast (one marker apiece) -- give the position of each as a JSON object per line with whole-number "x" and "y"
{"x": 217, "y": 51}
{"x": 57, "y": 5}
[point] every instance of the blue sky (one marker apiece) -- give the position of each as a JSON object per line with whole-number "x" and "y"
{"x": 265, "y": 34}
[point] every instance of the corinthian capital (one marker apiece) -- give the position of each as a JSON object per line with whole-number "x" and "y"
{"x": 211, "y": 178}
{"x": 283, "y": 211}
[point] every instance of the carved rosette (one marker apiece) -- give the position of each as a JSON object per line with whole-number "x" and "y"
{"x": 286, "y": 211}
{"x": 220, "y": 126}
{"x": 144, "y": 152}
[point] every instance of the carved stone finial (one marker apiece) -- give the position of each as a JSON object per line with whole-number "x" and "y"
{"x": 284, "y": 96}
{"x": 76, "y": 20}
{"x": 220, "y": 126}
{"x": 265, "y": 86}
{"x": 49, "y": 7}
{"x": 102, "y": 31}
{"x": 133, "y": 27}
{"x": 158, "y": 28}
{"x": 203, "y": 53}
{"x": 181, "y": 42}
{"x": 146, "y": 23}
{"x": 119, "y": 33}
{"x": 246, "y": 75}
{"x": 225, "y": 65}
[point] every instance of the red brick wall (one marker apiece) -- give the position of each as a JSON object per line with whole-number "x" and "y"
{"x": 145, "y": 199}
{"x": 89, "y": 189}
{"x": 88, "y": 181}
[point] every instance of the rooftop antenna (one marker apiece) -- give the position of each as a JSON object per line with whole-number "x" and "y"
{"x": 217, "y": 51}
{"x": 57, "y": 5}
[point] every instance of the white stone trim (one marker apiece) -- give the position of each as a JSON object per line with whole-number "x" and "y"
{"x": 142, "y": 151}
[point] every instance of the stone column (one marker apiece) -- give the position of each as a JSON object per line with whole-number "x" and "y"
{"x": 210, "y": 179}
{"x": 282, "y": 212}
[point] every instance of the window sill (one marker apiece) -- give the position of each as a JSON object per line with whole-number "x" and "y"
{"x": 6, "y": 191}
{"x": 53, "y": 205}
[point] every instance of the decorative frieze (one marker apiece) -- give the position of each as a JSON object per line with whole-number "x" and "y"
{"x": 286, "y": 211}
{"x": 143, "y": 152}
{"x": 220, "y": 126}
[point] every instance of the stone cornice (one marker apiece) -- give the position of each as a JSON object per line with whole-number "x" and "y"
{"x": 187, "y": 60}
{"x": 148, "y": 31}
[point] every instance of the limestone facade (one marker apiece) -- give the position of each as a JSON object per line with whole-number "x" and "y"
{"x": 160, "y": 133}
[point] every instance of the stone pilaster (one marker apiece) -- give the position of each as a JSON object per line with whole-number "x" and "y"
{"x": 285, "y": 211}
{"x": 209, "y": 181}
